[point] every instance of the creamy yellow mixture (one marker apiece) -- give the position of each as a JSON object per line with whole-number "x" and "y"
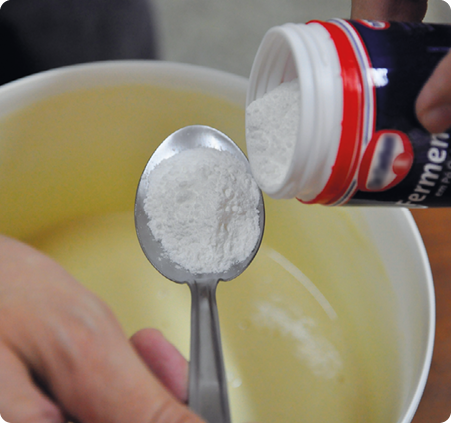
{"x": 307, "y": 330}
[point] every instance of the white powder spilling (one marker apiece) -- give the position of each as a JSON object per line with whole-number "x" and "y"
{"x": 320, "y": 355}
{"x": 271, "y": 131}
{"x": 202, "y": 207}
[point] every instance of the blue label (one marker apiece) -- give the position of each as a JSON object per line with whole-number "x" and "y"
{"x": 402, "y": 57}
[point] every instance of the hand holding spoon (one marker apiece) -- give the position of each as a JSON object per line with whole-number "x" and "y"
{"x": 207, "y": 382}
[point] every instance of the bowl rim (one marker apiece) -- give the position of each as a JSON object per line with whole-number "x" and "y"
{"x": 30, "y": 89}
{"x": 382, "y": 222}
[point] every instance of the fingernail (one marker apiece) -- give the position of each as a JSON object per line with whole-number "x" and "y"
{"x": 438, "y": 119}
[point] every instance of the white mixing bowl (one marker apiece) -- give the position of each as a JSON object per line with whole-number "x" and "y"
{"x": 334, "y": 320}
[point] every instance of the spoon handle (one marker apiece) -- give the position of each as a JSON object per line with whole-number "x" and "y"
{"x": 207, "y": 382}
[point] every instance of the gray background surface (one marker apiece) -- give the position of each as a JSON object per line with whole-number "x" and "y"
{"x": 225, "y": 34}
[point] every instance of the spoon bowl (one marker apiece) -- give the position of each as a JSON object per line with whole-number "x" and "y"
{"x": 189, "y": 137}
{"x": 207, "y": 382}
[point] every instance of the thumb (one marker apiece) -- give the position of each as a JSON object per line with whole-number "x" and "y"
{"x": 433, "y": 105}
{"x": 164, "y": 360}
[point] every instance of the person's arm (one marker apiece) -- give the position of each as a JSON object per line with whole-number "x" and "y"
{"x": 389, "y": 10}
{"x": 64, "y": 356}
{"x": 433, "y": 105}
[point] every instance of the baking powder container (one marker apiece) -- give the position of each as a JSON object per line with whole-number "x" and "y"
{"x": 358, "y": 139}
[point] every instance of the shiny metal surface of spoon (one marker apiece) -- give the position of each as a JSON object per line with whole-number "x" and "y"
{"x": 207, "y": 381}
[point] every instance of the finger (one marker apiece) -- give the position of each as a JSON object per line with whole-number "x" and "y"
{"x": 72, "y": 341}
{"x": 389, "y": 10}
{"x": 164, "y": 360}
{"x": 433, "y": 105}
{"x": 20, "y": 400}
{"x": 107, "y": 382}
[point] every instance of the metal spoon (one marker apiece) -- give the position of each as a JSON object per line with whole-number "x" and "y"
{"x": 207, "y": 382}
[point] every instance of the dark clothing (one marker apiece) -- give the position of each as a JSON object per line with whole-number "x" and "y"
{"x": 37, "y": 35}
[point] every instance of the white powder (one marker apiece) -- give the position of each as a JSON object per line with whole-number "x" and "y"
{"x": 202, "y": 207}
{"x": 320, "y": 355}
{"x": 271, "y": 130}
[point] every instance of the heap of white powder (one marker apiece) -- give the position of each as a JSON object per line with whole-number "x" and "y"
{"x": 271, "y": 130}
{"x": 202, "y": 207}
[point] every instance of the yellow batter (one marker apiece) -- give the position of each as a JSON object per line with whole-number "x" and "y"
{"x": 307, "y": 330}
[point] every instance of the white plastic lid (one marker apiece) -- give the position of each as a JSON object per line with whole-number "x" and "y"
{"x": 306, "y": 52}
